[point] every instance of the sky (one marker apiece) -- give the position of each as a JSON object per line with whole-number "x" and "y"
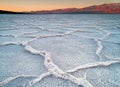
{"x": 34, "y": 5}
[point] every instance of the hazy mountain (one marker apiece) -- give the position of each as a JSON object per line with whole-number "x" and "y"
{"x": 112, "y": 8}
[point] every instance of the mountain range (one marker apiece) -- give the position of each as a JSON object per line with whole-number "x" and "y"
{"x": 111, "y": 8}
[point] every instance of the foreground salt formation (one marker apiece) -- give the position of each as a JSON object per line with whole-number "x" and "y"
{"x": 55, "y": 70}
{"x": 52, "y": 68}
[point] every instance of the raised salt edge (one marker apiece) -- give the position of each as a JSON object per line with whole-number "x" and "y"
{"x": 92, "y": 65}
{"x": 99, "y": 43}
{"x": 13, "y": 78}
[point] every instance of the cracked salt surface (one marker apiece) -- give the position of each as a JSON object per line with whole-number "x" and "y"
{"x": 41, "y": 59}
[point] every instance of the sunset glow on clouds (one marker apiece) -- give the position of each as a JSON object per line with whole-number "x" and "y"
{"x": 32, "y": 5}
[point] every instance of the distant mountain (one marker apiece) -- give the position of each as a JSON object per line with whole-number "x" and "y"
{"x": 10, "y": 12}
{"x": 67, "y": 10}
{"x": 112, "y": 8}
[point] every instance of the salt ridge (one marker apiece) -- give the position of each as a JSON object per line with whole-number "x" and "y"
{"x": 100, "y": 47}
{"x": 99, "y": 43}
{"x": 6, "y": 35}
{"x": 93, "y": 65}
{"x": 13, "y": 78}
{"x": 15, "y": 36}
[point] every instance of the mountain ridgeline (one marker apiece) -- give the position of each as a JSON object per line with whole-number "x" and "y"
{"x": 112, "y": 8}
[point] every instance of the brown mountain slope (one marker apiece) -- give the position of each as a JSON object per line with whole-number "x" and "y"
{"x": 104, "y": 8}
